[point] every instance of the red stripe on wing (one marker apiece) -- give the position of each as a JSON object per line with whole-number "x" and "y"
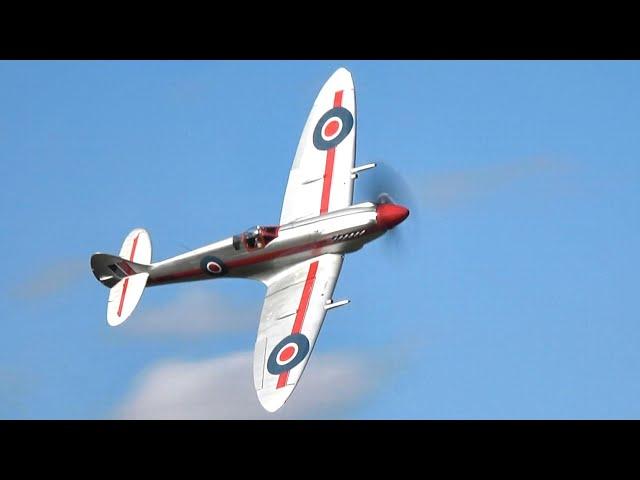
{"x": 337, "y": 99}
{"x": 301, "y": 313}
{"x": 306, "y": 295}
{"x": 328, "y": 167}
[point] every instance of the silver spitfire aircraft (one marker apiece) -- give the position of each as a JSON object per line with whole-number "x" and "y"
{"x": 298, "y": 260}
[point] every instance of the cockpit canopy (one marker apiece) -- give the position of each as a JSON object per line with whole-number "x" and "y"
{"x": 255, "y": 237}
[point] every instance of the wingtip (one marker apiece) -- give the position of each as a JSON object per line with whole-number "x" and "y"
{"x": 342, "y": 73}
{"x": 341, "y": 79}
{"x": 273, "y": 400}
{"x": 114, "y": 321}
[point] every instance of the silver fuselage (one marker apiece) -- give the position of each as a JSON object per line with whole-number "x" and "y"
{"x": 341, "y": 231}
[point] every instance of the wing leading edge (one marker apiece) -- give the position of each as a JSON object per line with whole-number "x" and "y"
{"x": 320, "y": 179}
{"x": 291, "y": 318}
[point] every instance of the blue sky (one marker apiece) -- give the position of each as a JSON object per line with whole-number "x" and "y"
{"x": 514, "y": 295}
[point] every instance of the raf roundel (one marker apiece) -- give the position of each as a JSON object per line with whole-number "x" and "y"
{"x": 332, "y": 128}
{"x": 288, "y": 353}
{"x": 213, "y": 266}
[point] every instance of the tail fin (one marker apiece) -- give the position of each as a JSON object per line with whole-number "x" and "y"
{"x": 126, "y": 275}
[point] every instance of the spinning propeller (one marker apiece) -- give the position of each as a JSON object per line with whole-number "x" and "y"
{"x": 385, "y": 187}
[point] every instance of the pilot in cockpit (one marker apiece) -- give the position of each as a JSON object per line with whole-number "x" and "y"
{"x": 253, "y": 238}
{"x": 257, "y": 237}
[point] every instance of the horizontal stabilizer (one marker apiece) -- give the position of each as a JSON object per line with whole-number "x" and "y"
{"x": 124, "y": 297}
{"x": 110, "y": 269}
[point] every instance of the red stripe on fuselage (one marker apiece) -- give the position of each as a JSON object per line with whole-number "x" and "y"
{"x": 193, "y": 273}
{"x": 245, "y": 261}
{"x": 301, "y": 313}
{"x": 251, "y": 259}
{"x": 126, "y": 280}
{"x": 328, "y": 166}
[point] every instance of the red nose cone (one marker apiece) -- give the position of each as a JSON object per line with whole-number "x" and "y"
{"x": 390, "y": 215}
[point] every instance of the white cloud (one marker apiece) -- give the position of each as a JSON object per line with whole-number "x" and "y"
{"x": 195, "y": 312}
{"x": 52, "y": 279}
{"x": 458, "y": 187}
{"x": 222, "y": 388}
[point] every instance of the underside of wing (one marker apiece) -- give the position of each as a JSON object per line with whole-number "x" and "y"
{"x": 291, "y": 318}
{"x": 321, "y": 179}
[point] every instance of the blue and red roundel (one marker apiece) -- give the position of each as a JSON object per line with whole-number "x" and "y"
{"x": 288, "y": 353}
{"x": 332, "y": 128}
{"x": 213, "y": 266}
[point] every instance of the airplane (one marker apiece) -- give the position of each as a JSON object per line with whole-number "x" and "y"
{"x": 298, "y": 260}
